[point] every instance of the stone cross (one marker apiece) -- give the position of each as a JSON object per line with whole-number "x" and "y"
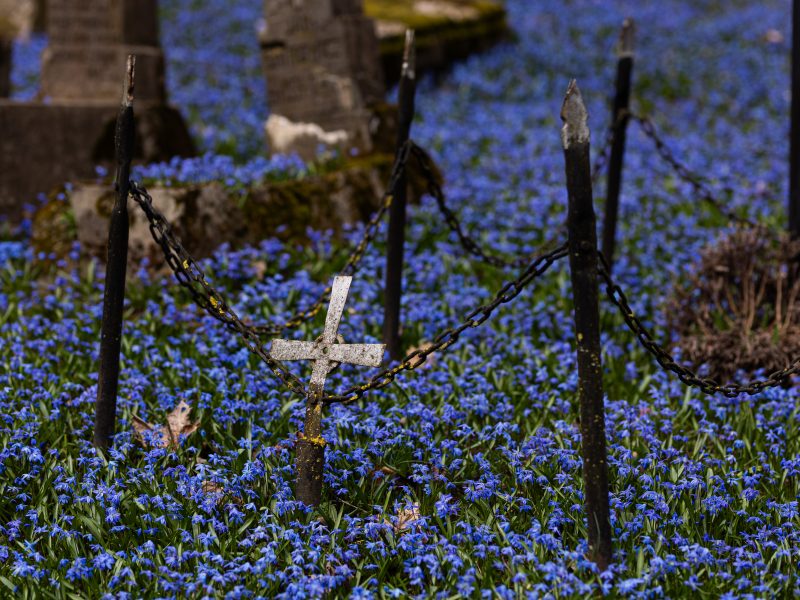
{"x": 327, "y": 352}
{"x": 88, "y": 43}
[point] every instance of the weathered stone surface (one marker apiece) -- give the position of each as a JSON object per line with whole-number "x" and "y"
{"x": 205, "y": 216}
{"x": 285, "y": 136}
{"x": 322, "y": 66}
{"x": 45, "y": 145}
{"x": 88, "y": 43}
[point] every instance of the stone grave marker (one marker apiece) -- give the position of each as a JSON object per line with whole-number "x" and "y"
{"x": 323, "y": 72}
{"x": 68, "y": 132}
{"x": 88, "y": 43}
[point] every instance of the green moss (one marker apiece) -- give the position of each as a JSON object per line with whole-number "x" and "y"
{"x": 440, "y": 40}
{"x": 402, "y": 11}
{"x": 54, "y": 228}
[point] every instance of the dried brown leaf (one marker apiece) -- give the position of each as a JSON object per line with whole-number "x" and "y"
{"x": 167, "y": 436}
{"x": 406, "y": 518}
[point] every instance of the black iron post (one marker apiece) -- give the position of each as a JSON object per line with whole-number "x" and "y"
{"x": 116, "y": 265}
{"x": 6, "y": 46}
{"x": 619, "y": 122}
{"x": 583, "y": 267}
{"x": 794, "y": 159}
{"x": 397, "y": 212}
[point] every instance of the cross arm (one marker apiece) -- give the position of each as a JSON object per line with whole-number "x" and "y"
{"x": 293, "y": 350}
{"x": 365, "y": 355}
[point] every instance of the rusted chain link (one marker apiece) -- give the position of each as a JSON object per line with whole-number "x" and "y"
{"x": 210, "y": 295}
{"x": 604, "y": 155}
{"x": 470, "y": 245}
{"x": 191, "y": 276}
{"x": 445, "y": 339}
{"x": 682, "y": 171}
{"x": 664, "y": 358}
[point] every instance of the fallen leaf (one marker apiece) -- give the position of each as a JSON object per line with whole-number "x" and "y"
{"x": 405, "y": 518}
{"x": 167, "y": 436}
{"x": 209, "y": 487}
{"x": 260, "y": 269}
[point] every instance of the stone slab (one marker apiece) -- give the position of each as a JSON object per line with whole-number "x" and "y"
{"x": 44, "y": 146}
{"x": 207, "y": 215}
{"x": 321, "y": 62}
{"x": 79, "y": 73}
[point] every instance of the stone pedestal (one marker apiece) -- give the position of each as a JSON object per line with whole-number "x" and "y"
{"x": 322, "y": 65}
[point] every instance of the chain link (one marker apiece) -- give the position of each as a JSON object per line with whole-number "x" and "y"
{"x": 470, "y": 245}
{"x": 664, "y": 358}
{"x": 191, "y": 277}
{"x": 604, "y": 155}
{"x": 683, "y": 172}
{"x": 447, "y": 338}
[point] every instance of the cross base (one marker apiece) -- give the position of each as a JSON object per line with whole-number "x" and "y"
{"x": 310, "y": 464}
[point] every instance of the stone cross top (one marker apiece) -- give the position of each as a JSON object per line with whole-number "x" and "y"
{"x": 326, "y": 353}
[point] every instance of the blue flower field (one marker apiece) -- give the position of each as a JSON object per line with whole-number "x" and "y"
{"x": 462, "y": 479}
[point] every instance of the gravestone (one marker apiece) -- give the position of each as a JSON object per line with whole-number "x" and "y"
{"x": 88, "y": 43}
{"x": 66, "y": 135}
{"x": 322, "y": 66}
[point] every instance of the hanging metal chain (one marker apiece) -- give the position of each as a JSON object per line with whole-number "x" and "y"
{"x": 470, "y": 245}
{"x": 604, "y": 155}
{"x": 191, "y": 276}
{"x": 449, "y": 337}
{"x": 683, "y": 172}
{"x": 353, "y": 263}
{"x": 664, "y": 358}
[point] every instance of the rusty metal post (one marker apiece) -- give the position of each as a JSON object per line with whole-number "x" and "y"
{"x": 583, "y": 267}
{"x": 397, "y": 212}
{"x": 619, "y": 122}
{"x": 116, "y": 266}
{"x": 794, "y": 158}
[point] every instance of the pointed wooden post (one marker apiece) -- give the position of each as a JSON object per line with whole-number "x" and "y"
{"x": 583, "y": 267}
{"x": 794, "y": 158}
{"x": 116, "y": 266}
{"x": 619, "y": 116}
{"x": 397, "y": 212}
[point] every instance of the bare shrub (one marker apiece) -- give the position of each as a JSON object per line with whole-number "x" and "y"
{"x": 739, "y": 308}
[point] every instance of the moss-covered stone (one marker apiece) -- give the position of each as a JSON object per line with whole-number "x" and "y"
{"x": 207, "y": 215}
{"x": 457, "y": 29}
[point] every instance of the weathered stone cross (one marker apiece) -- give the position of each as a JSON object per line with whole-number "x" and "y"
{"x": 326, "y": 353}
